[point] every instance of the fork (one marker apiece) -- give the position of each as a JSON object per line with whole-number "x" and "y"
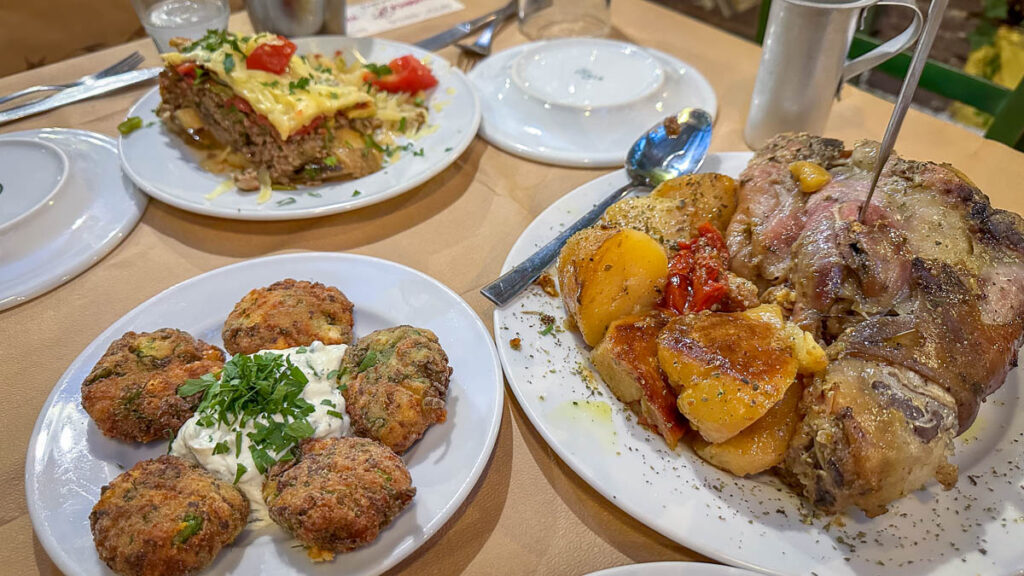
{"x": 471, "y": 53}
{"x": 129, "y": 63}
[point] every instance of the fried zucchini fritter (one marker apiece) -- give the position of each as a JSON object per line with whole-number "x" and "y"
{"x": 132, "y": 392}
{"x": 286, "y": 314}
{"x": 338, "y": 494}
{"x": 395, "y": 382}
{"x": 165, "y": 517}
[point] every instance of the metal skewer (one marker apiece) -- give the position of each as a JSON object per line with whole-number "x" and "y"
{"x": 924, "y": 46}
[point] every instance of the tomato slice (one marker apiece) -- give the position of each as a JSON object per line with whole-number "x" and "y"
{"x": 187, "y": 69}
{"x": 696, "y": 275}
{"x": 272, "y": 57}
{"x": 408, "y": 74}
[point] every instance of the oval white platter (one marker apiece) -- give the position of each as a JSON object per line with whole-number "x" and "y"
{"x": 168, "y": 169}
{"x": 69, "y": 460}
{"x": 756, "y": 523}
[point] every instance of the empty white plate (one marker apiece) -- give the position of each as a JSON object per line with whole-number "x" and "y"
{"x": 582, "y": 101}
{"x": 64, "y": 204}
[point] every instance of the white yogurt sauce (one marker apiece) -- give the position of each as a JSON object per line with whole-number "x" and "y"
{"x": 196, "y": 443}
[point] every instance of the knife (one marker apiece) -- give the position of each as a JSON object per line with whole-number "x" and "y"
{"x": 924, "y": 45}
{"x": 78, "y": 93}
{"x": 463, "y": 29}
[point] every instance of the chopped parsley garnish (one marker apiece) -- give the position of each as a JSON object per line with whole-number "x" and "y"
{"x": 314, "y": 194}
{"x": 333, "y": 95}
{"x": 287, "y": 201}
{"x": 248, "y": 389}
{"x": 130, "y": 125}
{"x": 191, "y": 525}
{"x": 371, "y": 143}
{"x": 221, "y": 448}
{"x": 356, "y": 193}
{"x": 214, "y": 40}
{"x": 336, "y": 414}
{"x": 239, "y": 472}
{"x": 330, "y": 161}
{"x": 271, "y": 84}
{"x": 418, "y": 152}
{"x": 401, "y": 124}
{"x": 229, "y": 63}
{"x": 448, "y": 149}
{"x": 378, "y": 69}
{"x": 419, "y": 102}
{"x": 547, "y": 330}
{"x": 332, "y": 375}
{"x": 300, "y": 84}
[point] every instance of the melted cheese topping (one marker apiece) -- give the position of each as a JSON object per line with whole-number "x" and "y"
{"x": 308, "y": 89}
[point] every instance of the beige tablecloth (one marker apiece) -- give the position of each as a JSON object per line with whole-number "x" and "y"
{"x": 530, "y": 514}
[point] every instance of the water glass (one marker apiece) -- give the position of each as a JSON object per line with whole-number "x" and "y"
{"x": 546, "y": 19}
{"x": 166, "y": 19}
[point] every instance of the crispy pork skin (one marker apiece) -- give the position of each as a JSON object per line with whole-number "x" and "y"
{"x": 921, "y": 305}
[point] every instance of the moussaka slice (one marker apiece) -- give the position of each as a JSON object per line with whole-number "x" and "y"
{"x": 270, "y": 116}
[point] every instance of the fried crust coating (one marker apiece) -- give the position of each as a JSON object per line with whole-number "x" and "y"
{"x": 338, "y": 494}
{"x": 165, "y": 517}
{"x": 288, "y": 313}
{"x": 395, "y": 382}
{"x": 132, "y": 392}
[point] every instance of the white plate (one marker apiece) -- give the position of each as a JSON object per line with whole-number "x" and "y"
{"x": 69, "y": 460}
{"x": 672, "y": 569}
{"x": 582, "y": 101}
{"x": 168, "y": 170}
{"x": 755, "y": 523}
{"x": 65, "y": 204}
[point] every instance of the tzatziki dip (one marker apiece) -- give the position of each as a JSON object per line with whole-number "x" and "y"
{"x": 258, "y": 410}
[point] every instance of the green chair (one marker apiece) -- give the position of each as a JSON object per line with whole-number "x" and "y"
{"x": 1007, "y": 106}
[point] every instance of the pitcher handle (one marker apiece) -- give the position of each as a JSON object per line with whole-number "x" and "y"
{"x": 890, "y": 48}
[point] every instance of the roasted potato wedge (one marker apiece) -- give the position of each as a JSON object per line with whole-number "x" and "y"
{"x": 705, "y": 197}
{"x": 761, "y": 445}
{"x": 731, "y": 368}
{"x": 663, "y": 219}
{"x": 627, "y": 360}
{"x": 605, "y": 274}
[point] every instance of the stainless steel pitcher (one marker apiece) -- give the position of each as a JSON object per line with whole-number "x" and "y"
{"x": 297, "y": 17}
{"x": 804, "y": 63}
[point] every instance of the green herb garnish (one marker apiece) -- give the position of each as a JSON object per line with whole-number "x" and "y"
{"x": 336, "y": 414}
{"x": 356, "y": 193}
{"x": 547, "y": 330}
{"x": 300, "y": 84}
{"x": 130, "y": 125}
{"x": 419, "y": 102}
{"x": 229, "y": 63}
{"x": 287, "y": 201}
{"x": 369, "y": 361}
{"x": 221, "y": 448}
{"x": 330, "y": 161}
{"x": 314, "y": 194}
{"x": 378, "y": 70}
{"x": 418, "y": 152}
{"x": 192, "y": 525}
{"x": 371, "y": 143}
{"x": 401, "y": 124}
{"x": 240, "y": 471}
{"x": 246, "y": 390}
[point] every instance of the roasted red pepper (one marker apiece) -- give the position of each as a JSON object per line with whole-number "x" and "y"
{"x": 272, "y": 57}
{"x": 408, "y": 74}
{"x": 696, "y": 275}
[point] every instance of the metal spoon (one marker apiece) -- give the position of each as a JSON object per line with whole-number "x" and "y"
{"x": 671, "y": 148}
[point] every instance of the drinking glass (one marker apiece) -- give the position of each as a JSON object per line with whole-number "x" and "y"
{"x": 545, "y": 19}
{"x": 166, "y": 19}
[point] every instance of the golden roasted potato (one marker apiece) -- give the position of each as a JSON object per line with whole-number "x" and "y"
{"x": 663, "y": 219}
{"x": 731, "y": 368}
{"x": 705, "y": 197}
{"x": 627, "y": 360}
{"x": 761, "y": 445}
{"x": 605, "y": 274}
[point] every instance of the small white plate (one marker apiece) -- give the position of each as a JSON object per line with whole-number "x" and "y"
{"x": 64, "y": 205}
{"x": 582, "y": 101}
{"x": 672, "y": 569}
{"x": 756, "y": 523}
{"x": 168, "y": 170}
{"x": 69, "y": 460}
